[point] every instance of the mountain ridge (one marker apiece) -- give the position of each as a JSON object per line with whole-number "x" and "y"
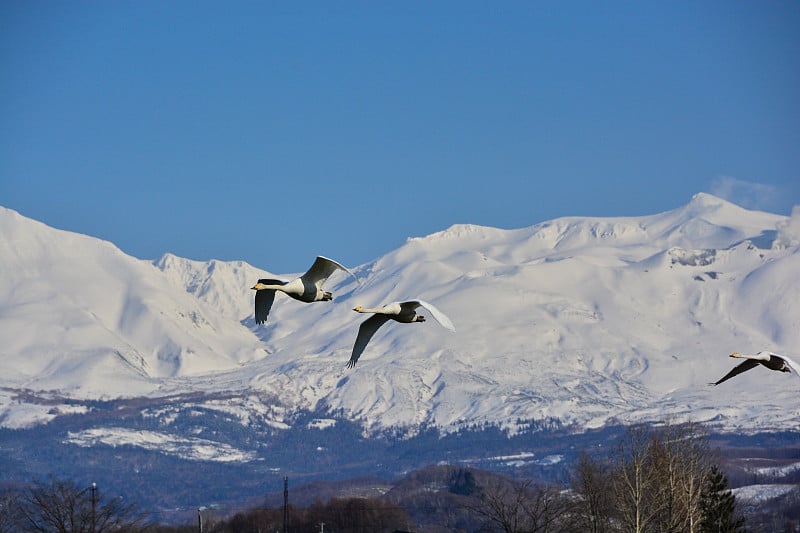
{"x": 583, "y": 320}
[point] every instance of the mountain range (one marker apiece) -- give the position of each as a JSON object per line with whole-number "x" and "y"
{"x": 580, "y": 322}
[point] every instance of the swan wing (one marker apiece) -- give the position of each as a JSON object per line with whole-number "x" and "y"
{"x": 440, "y": 317}
{"x": 794, "y": 365}
{"x": 365, "y": 333}
{"x": 264, "y": 299}
{"x": 738, "y": 369}
{"x": 322, "y": 269}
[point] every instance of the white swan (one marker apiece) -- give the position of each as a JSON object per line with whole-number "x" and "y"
{"x": 399, "y": 311}
{"x": 307, "y": 288}
{"x": 770, "y": 360}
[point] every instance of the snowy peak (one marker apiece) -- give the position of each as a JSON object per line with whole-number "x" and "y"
{"x": 710, "y": 222}
{"x": 703, "y": 202}
{"x": 706, "y": 222}
{"x": 225, "y": 286}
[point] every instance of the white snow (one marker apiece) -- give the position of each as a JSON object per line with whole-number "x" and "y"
{"x": 187, "y": 448}
{"x": 513, "y": 457}
{"x": 776, "y": 471}
{"x": 322, "y": 423}
{"x": 19, "y": 413}
{"x": 754, "y": 494}
{"x": 24, "y": 415}
{"x": 520, "y": 459}
{"x": 587, "y": 321}
{"x": 549, "y": 460}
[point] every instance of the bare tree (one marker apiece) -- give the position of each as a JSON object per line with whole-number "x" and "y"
{"x": 594, "y": 506}
{"x": 635, "y": 481}
{"x": 9, "y": 512}
{"x": 501, "y": 505}
{"x": 520, "y": 507}
{"x": 678, "y": 458}
{"x": 655, "y": 477}
{"x": 681, "y": 458}
{"x": 64, "y": 507}
{"x": 545, "y": 508}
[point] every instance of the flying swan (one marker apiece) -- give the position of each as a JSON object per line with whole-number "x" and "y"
{"x": 398, "y": 311}
{"x": 770, "y": 360}
{"x": 307, "y": 288}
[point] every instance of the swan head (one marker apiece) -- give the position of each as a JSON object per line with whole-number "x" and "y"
{"x": 358, "y": 309}
{"x": 735, "y": 354}
{"x": 258, "y": 286}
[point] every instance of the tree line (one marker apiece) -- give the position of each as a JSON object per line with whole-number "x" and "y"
{"x": 655, "y": 480}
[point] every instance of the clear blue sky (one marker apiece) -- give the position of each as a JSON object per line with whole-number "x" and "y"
{"x": 275, "y": 131}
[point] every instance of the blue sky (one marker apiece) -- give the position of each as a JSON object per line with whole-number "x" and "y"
{"x": 275, "y": 131}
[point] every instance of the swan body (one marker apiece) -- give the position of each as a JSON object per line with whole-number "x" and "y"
{"x": 404, "y": 312}
{"x": 307, "y": 288}
{"x": 773, "y": 361}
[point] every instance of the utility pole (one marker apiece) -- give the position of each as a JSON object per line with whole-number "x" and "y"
{"x": 285, "y": 504}
{"x": 94, "y": 507}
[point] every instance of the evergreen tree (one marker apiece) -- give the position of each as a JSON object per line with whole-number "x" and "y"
{"x": 463, "y": 483}
{"x": 718, "y": 505}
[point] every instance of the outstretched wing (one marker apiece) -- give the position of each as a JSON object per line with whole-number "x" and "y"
{"x": 365, "y": 333}
{"x": 738, "y": 369}
{"x": 264, "y": 299}
{"x": 790, "y": 363}
{"x": 322, "y": 269}
{"x": 440, "y": 317}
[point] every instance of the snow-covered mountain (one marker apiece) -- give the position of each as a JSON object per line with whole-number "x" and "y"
{"x": 81, "y": 316}
{"x": 583, "y": 320}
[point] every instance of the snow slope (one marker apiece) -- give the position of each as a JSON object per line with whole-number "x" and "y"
{"x": 758, "y": 494}
{"x": 77, "y": 314}
{"x": 193, "y": 449}
{"x": 583, "y": 320}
